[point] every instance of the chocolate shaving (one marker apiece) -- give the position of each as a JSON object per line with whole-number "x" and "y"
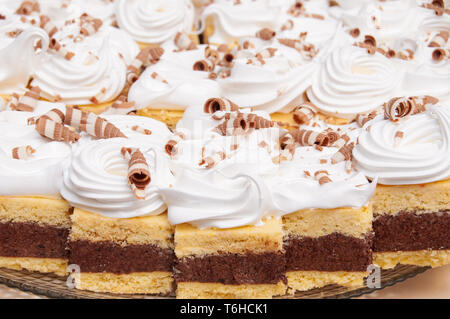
{"x": 439, "y": 40}
{"x": 122, "y": 103}
{"x": 439, "y": 54}
{"x": 171, "y": 146}
{"x": 142, "y": 130}
{"x": 345, "y": 153}
{"x": 362, "y": 119}
{"x": 184, "y": 42}
{"x": 304, "y": 113}
{"x": 213, "y": 105}
{"x": 266, "y": 34}
{"x": 55, "y": 115}
{"x": 89, "y": 25}
{"x": 22, "y": 152}
{"x": 62, "y": 51}
{"x": 322, "y": 177}
{"x": 355, "y": 32}
{"x": 27, "y": 102}
{"x": 56, "y": 131}
{"x": 48, "y": 26}
{"x": 138, "y": 171}
{"x": 309, "y": 137}
{"x": 27, "y": 7}
{"x": 288, "y": 25}
{"x": 402, "y": 107}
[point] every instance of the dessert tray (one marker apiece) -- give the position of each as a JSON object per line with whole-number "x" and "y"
{"x": 55, "y": 287}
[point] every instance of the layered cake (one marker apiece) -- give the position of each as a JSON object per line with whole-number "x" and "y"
{"x": 120, "y": 238}
{"x": 34, "y": 219}
{"x": 292, "y": 145}
{"x": 409, "y": 155}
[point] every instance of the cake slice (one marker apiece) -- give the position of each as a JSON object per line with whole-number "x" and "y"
{"x": 327, "y": 246}
{"x": 242, "y": 262}
{"x": 33, "y": 233}
{"x": 122, "y": 255}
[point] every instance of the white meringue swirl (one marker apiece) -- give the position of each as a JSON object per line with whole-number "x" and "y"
{"x": 421, "y": 156}
{"x": 154, "y": 21}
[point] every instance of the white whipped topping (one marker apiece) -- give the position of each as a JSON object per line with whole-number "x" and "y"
{"x": 184, "y": 86}
{"x": 41, "y": 174}
{"x": 234, "y": 21}
{"x": 421, "y": 156}
{"x": 351, "y": 81}
{"x": 96, "y": 177}
{"x": 154, "y": 21}
{"x": 98, "y": 68}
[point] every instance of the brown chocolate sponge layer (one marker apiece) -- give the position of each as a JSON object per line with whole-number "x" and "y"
{"x": 408, "y": 231}
{"x": 232, "y": 269}
{"x": 333, "y": 252}
{"x": 31, "y": 239}
{"x": 106, "y": 256}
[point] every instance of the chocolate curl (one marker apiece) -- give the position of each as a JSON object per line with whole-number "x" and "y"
{"x": 369, "y": 43}
{"x": 141, "y": 130}
{"x": 62, "y": 51}
{"x": 355, "y": 32}
{"x": 91, "y": 123}
{"x": 171, "y": 146}
{"x": 303, "y": 114}
{"x": 257, "y": 122}
{"x": 183, "y": 42}
{"x": 322, "y": 177}
{"x": 48, "y": 26}
{"x": 266, "y": 34}
{"x": 292, "y": 43}
{"x": 345, "y": 153}
{"x": 27, "y": 7}
{"x": 288, "y": 25}
{"x": 136, "y": 65}
{"x": 138, "y": 171}
{"x": 213, "y": 105}
{"x": 398, "y": 137}
{"x": 233, "y": 124}
{"x": 122, "y": 103}
{"x": 287, "y": 145}
{"x": 89, "y": 25}
{"x": 333, "y": 137}
{"x": 341, "y": 141}
{"x": 156, "y": 76}
{"x": 212, "y": 160}
{"x": 362, "y": 119}
{"x": 204, "y": 65}
{"x": 56, "y": 131}
{"x": 28, "y": 101}
{"x": 154, "y": 55}
{"x": 55, "y": 115}
{"x": 402, "y": 107}
{"x": 439, "y": 40}
{"x": 439, "y": 54}
{"x": 22, "y": 152}
{"x": 437, "y": 5}
{"x": 310, "y": 138}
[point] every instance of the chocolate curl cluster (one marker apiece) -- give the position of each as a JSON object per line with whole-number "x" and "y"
{"x": 288, "y": 25}
{"x": 54, "y": 115}
{"x": 27, "y": 102}
{"x": 22, "y": 152}
{"x": 62, "y": 51}
{"x": 362, "y": 119}
{"x": 213, "y": 105}
{"x": 89, "y": 25}
{"x": 171, "y": 146}
{"x": 322, "y": 177}
{"x": 213, "y": 58}
{"x": 56, "y": 131}
{"x": 439, "y": 40}
{"x": 402, "y": 107}
{"x": 184, "y": 42}
{"x": 369, "y": 43}
{"x": 91, "y": 123}
{"x": 27, "y": 7}
{"x": 212, "y": 160}
{"x": 310, "y": 138}
{"x": 303, "y": 113}
{"x": 266, "y": 34}
{"x": 439, "y": 54}
{"x": 345, "y": 153}
{"x": 48, "y": 26}
{"x": 287, "y": 145}
{"x": 138, "y": 171}
{"x": 122, "y": 103}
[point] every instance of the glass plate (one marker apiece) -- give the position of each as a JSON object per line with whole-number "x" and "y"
{"x": 55, "y": 287}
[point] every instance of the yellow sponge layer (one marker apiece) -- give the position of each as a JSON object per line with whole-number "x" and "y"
{"x": 429, "y": 197}
{"x": 157, "y": 282}
{"x": 170, "y": 117}
{"x": 200, "y": 290}
{"x": 190, "y": 240}
{"x": 124, "y": 231}
{"x": 46, "y": 265}
{"x": 354, "y": 222}
{"x": 306, "y": 280}
{"x": 433, "y": 258}
{"x": 41, "y": 210}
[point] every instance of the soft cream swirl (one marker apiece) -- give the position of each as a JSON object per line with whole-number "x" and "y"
{"x": 154, "y": 21}
{"x": 421, "y": 156}
{"x": 350, "y": 81}
{"x": 98, "y": 68}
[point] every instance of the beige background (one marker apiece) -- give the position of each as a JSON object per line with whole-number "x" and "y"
{"x": 434, "y": 283}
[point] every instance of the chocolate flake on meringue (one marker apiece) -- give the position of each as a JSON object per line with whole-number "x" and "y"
{"x": 322, "y": 177}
